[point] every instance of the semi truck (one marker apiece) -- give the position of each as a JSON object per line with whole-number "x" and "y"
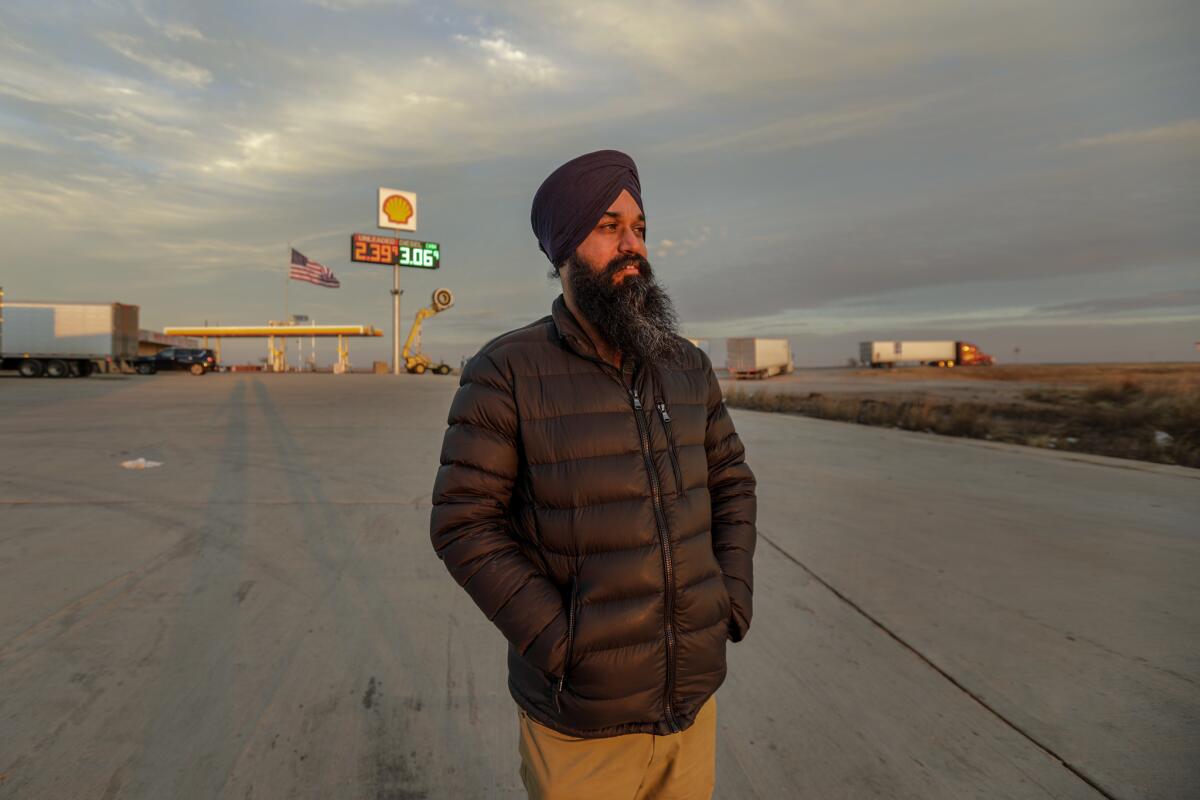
{"x": 59, "y": 340}
{"x": 935, "y": 354}
{"x": 755, "y": 358}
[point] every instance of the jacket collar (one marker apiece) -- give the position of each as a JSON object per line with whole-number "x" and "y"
{"x": 570, "y": 331}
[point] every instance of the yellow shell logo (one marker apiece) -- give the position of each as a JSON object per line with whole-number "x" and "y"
{"x": 398, "y": 209}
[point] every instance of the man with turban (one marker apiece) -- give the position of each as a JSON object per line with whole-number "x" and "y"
{"x": 594, "y": 501}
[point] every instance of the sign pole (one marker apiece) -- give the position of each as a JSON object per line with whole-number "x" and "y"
{"x": 395, "y": 319}
{"x": 395, "y": 209}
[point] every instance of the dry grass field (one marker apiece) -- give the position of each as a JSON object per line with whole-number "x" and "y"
{"x": 1149, "y": 412}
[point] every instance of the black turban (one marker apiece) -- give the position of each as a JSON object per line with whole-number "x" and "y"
{"x": 571, "y": 201}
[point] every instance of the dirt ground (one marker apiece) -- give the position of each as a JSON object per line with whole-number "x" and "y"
{"x": 1145, "y": 411}
{"x": 1008, "y": 382}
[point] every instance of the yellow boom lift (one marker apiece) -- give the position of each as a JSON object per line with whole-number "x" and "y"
{"x": 415, "y": 361}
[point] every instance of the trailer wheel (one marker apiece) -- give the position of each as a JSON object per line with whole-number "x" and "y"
{"x": 30, "y": 368}
{"x": 82, "y": 368}
{"x": 444, "y": 369}
{"x": 196, "y": 369}
{"x": 419, "y": 369}
{"x": 57, "y": 368}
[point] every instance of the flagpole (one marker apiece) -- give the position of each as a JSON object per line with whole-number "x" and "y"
{"x": 287, "y": 280}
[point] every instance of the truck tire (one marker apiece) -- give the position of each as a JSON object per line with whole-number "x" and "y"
{"x": 443, "y": 370}
{"x": 31, "y": 368}
{"x": 419, "y": 369}
{"x": 144, "y": 369}
{"x": 82, "y": 368}
{"x": 196, "y": 369}
{"x": 57, "y": 368}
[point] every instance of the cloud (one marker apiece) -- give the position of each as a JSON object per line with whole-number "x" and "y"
{"x": 178, "y": 32}
{"x": 256, "y": 148}
{"x": 19, "y": 141}
{"x": 354, "y": 5}
{"x": 175, "y": 70}
{"x": 63, "y": 89}
{"x": 1129, "y": 211}
{"x": 503, "y": 58}
{"x": 1184, "y": 298}
{"x": 685, "y": 48}
{"x": 174, "y": 31}
{"x": 1182, "y": 132}
{"x": 678, "y": 248}
{"x": 806, "y": 130}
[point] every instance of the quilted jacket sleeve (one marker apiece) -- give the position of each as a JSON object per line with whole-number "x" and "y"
{"x": 470, "y": 525}
{"x": 734, "y": 506}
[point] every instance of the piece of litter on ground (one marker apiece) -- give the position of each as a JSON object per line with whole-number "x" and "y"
{"x": 140, "y": 463}
{"x": 1162, "y": 438}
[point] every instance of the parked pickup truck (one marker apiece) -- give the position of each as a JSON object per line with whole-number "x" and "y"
{"x": 193, "y": 359}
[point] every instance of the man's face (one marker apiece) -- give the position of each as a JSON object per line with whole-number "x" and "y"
{"x": 620, "y": 233}
{"x": 610, "y": 282}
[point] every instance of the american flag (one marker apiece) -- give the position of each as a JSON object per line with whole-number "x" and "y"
{"x": 305, "y": 269}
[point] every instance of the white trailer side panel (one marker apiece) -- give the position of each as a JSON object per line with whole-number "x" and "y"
{"x": 768, "y": 356}
{"x": 894, "y": 352}
{"x": 928, "y": 351}
{"x": 69, "y": 330}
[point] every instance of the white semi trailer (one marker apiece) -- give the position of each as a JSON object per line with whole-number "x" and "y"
{"x": 946, "y": 353}
{"x": 758, "y": 358}
{"x": 61, "y": 340}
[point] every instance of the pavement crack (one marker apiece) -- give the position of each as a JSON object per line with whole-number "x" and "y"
{"x": 1045, "y": 748}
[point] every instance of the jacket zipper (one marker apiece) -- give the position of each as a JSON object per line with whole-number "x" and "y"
{"x": 665, "y": 541}
{"x": 666, "y": 421}
{"x": 562, "y": 679}
{"x": 660, "y": 518}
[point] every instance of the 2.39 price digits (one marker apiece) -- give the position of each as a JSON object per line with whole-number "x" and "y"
{"x": 375, "y": 252}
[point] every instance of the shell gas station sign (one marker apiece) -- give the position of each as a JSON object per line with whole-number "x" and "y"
{"x": 397, "y": 209}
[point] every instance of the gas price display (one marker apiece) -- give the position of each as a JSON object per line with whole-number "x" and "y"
{"x": 372, "y": 249}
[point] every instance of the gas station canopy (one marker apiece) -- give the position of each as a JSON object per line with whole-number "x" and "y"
{"x": 288, "y": 331}
{"x": 279, "y": 334}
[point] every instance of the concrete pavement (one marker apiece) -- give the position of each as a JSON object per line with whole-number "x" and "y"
{"x": 263, "y": 616}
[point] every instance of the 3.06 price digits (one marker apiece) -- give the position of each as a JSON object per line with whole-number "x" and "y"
{"x": 416, "y": 257}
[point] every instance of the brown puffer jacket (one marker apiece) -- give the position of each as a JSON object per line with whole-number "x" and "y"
{"x": 603, "y": 520}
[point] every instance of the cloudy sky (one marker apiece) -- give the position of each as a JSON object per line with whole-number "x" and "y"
{"x": 1017, "y": 174}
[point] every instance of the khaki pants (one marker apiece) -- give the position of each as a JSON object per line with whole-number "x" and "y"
{"x": 636, "y": 766}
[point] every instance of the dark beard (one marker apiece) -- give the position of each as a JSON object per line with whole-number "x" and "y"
{"x": 635, "y": 316}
